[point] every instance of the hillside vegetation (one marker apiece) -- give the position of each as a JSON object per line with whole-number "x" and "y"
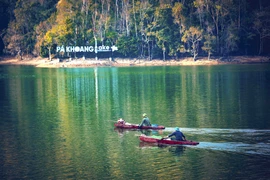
{"x": 148, "y": 29}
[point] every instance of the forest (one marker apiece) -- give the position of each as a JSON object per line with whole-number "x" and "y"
{"x": 148, "y": 29}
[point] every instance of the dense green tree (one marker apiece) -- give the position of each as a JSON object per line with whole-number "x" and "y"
{"x": 20, "y": 37}
{"x": 128, "y": 46}
{"x": 193, "y": 36}
{"x": 40, "y": 31}
{"x": 20, "y": 31}
{"x": 261, "y": 26}
{"x": 209, "y": 44}
{"x": 152, "y": 28}
{"x": 165, "y": 30}
{"x": 146, "y": 26}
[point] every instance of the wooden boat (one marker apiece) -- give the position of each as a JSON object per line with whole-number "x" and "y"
{"x": 159, "y": 140}
{"x": 136, "y": 126}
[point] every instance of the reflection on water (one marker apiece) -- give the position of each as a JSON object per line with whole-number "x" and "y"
{"x": 175, "y": 150}
{"x": 54, "y": 123}
{"x": 147, "y": 132}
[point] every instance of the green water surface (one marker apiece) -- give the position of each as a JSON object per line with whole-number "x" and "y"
{"x": 58, "y": 123}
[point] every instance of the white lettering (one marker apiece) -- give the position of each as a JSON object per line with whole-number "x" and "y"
{"x": 72, "y": 49}
{"x": 68, "y": 49}
{"x": 82, "y": 49}
{"x": 91, "y": 49}
{"x": 77, "y": 49}
{"x": 114, "y": 48}
{"x": 97, "y": 49}
{"x": 86, "y": 48}
{"x": 62, "y": 49}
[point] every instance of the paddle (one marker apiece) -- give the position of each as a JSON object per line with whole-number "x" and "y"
{"x": 164, "y": 138}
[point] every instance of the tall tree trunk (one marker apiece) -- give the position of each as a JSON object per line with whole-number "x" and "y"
{"x": 239, "y": 14}
{"x": 261, "y": 45}
{"x": 149, "y": 53}
{"x": 116, "y": 14}
{"x": 135, "y": 23}
{"x": 50, "y": 54}
{"x": 164, "y": 53}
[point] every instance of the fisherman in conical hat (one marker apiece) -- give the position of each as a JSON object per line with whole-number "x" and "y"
{"x": 121, "y": 121}
{"x": 145, "y": 121}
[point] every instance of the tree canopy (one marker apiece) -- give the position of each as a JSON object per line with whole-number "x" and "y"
{"x": 164, "y": 29}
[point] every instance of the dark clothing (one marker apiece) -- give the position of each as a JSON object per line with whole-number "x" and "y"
{"x": 178, "y": 135}
{"x": 145, "y": 122}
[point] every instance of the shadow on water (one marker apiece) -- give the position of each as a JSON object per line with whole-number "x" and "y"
{"x": 146, "y": 132}
{"x": 175, "y": 150}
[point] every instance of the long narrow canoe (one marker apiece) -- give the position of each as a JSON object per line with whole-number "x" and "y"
{"x": 158, "y": 140}
{"x": 136, "y": 126}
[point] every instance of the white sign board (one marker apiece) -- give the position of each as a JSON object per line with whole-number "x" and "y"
{"x": 86, "y": 49}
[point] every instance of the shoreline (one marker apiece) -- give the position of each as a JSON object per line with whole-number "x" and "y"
{"x": 55, "y": 63}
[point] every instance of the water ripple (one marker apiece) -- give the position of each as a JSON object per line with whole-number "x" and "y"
{"x": 259, "y": 149}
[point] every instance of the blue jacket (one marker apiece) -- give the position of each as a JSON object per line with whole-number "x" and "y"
{"x": 178, "y": 135}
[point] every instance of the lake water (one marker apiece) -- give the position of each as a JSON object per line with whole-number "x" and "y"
{"x": 59, "y": 123}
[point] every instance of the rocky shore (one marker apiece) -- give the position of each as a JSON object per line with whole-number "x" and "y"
{"x": 69, "y": 63}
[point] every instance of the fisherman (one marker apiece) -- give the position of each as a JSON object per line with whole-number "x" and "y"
{"x": 145, "y": 121}
{"x": 121, "y": 121}
{"x": 178, "y": 135}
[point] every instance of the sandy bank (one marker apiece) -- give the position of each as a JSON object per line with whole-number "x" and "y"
{"x": 55, "y": 63}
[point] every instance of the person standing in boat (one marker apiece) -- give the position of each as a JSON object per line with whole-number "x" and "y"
{"x": 178, "y": 135}
{"x": 145, "y": 121}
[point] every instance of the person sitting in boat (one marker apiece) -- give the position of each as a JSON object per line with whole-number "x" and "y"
{"x": 145, "y": 121}
{"x": 121, "y": 121}
{"x": 178, "y": 135}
